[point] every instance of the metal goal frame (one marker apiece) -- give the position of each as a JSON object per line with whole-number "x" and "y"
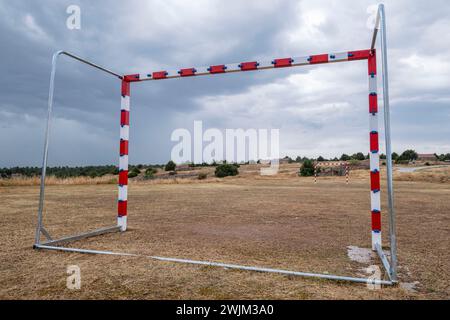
{"x": 390, "y": 265}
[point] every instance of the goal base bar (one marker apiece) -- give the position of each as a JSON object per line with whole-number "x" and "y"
{"x": 226, "y": 265}
{"x": 81, "y": 236}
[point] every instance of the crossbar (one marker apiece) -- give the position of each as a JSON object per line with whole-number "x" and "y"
{"x": 250, "y": 66}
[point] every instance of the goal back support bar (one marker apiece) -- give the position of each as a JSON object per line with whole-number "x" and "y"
{"x": 39, "y": 227}
{"x": 127, "y": 80}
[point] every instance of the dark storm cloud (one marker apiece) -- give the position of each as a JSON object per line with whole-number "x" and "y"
{"x": 140, "y": 36}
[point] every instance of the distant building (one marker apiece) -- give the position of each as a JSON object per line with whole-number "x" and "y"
{"x": 426, "y": 157}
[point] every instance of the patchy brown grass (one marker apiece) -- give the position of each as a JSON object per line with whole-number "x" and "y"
{"x": 435, "y": 175}
{"x": 280, "y": 222}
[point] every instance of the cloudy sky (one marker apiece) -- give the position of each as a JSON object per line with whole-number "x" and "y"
{"x": 320, "y": 110}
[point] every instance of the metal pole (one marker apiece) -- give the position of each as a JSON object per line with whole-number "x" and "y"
{"x": 45, "y": 157}
{"x": 88, "y": 63}
{"x": 83, "y": 235}
{"x": 47, "y": 130}
{"x": 387, "y": 129}
{"x": 376, "y": 28}
{"x": 224, "y": 265}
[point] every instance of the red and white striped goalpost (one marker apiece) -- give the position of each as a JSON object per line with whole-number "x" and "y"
{"x": 123, "y": 160}
{"x": 375, "y": 188}
{"x": 375, "y": 209}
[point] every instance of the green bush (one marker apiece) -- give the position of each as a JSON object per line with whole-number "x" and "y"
{"x": 202, "y": 176}
{"x": 358, "y": 156}
{"x": 225, "y": 170}
{"x": 149, "y": 173}
{"x": 408, "y": 155}
{"x": 134, "y": 172}
{"x": 394, "y": 156}
{"x": 170, "y": 166}
{"x": 307, "y": 169}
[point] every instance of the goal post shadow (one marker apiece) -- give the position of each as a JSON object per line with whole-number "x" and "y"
{"x": 390, "y": 265}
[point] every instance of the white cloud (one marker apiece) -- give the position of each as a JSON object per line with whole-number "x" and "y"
{"x": 33, "y": 30}
{"x": 421, "y": 72}
{"x": 309, "y": 108}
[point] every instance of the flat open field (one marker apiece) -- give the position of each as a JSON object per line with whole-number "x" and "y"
{"x": 282, "y": 222}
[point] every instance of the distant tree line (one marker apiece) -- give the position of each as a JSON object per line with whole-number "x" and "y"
{"x": 69, "y": 172}
{"x": 404, "y": 157}
{"x": 149, "y": 170}
{"x": 443, "y": 157}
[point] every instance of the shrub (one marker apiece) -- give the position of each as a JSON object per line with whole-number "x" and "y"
{"x": 149, "y": 173}
{"x": 202, "y": 176}
{"x": 307, "y": 169}
{"x": 92, "y": 174}
{"x": 358, "y": 156}
{"x": 408, "y": 155}
{"x": 134, "y": 172}
{"x": 225, "y": 170}
{"x": 170, "y": 166}
{"x": 395, "y": 156}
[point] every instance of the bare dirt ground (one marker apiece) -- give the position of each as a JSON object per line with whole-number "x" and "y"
{"x": 280, "y": 222}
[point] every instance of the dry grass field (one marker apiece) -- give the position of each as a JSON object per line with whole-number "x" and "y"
{"x": 281, "y": 222}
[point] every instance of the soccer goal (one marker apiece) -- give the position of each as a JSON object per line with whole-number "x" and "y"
{"x": 368, "y": 55}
